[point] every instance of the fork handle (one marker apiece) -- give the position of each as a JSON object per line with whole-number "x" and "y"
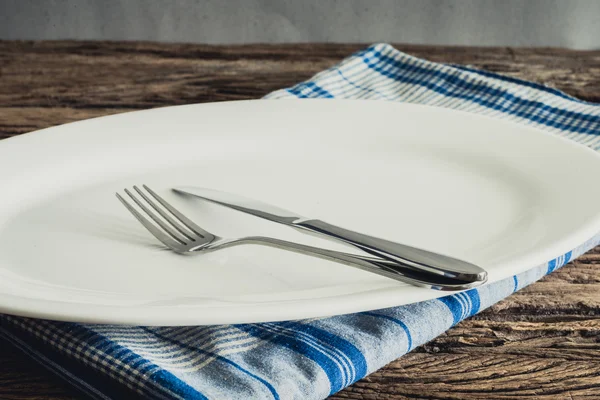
{"x": 411, "y": 257}
{"x": 387, "y": 268}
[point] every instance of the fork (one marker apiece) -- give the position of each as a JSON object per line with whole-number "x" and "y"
{"x": 182, "y": 235}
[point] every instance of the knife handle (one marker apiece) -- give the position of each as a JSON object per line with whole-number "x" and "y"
{"x": 418, "y": 259}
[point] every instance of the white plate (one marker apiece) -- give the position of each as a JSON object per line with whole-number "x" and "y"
{"x": 487, "y": 191}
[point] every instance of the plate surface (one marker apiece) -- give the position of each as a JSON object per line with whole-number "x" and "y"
{"x": 488, "y": 191}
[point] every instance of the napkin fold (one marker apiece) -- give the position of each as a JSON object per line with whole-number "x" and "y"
{"x": 310, "y": 359}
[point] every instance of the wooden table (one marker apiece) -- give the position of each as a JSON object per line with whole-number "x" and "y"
{"x": 543, "y": 342}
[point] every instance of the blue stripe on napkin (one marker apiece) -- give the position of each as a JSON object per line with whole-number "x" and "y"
{"x": 312, "y": 359}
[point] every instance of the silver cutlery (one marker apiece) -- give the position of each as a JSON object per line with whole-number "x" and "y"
{"x": 410, "y": 257}
{"x": 182, "y": 235}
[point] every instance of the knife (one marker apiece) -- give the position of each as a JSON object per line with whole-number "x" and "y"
{"x": 412, "y": 257}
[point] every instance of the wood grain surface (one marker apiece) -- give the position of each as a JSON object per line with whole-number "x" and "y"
{"x": 540, "y": 343}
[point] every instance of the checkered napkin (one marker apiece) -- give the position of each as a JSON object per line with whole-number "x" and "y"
{"x": 310, "y": 359}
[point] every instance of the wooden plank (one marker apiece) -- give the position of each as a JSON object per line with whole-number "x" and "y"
{"x": 543, "y": 342}
{"x": 23, "y": 379}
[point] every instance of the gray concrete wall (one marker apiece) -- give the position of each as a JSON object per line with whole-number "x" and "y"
{"x": 564, "y": 23}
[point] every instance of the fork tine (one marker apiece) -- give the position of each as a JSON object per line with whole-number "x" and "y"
{"x": 165, "y": 215}
{"x": 189, "y": 224}
{"x": 156, "y": 219}
{"x": 157, "y": 233}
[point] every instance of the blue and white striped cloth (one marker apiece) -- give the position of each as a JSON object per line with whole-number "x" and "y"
{"x": 310, "y": 359}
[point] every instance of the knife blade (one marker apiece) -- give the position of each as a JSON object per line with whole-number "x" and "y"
{"x": 243, "y": 204}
